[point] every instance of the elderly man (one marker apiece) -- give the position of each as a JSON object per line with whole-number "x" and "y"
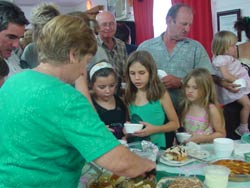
{"x": 12, "y": 27}
{"x": 115, "y": 48}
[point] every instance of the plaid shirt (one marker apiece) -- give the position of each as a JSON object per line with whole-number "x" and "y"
{"x": 187, "y": 55}
{"x": 117, "y": 56}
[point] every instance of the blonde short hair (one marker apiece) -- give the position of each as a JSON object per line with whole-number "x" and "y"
{"x": 222, "y": 41}
{"x": 62, "y": 34}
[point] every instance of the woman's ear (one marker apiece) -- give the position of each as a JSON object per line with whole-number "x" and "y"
{"x": 73, "y": 56}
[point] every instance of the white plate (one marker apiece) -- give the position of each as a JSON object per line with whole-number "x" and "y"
{"x": 201, "y": 154}
{"x": 168, "y": 162}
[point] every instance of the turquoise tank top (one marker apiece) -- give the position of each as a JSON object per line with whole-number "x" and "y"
{"x": 152, "y": 113}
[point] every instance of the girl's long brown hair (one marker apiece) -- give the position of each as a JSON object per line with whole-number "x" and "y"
{"x": 155, "y": 88}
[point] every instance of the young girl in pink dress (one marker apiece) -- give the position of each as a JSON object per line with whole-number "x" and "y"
{"x": 228, "y": 67}
{"x": 201, "y": 114}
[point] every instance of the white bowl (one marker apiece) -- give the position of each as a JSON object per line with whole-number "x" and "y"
{"x": 123, "y": 85}
{"x": 132, "y": 127}
{"x": 182, "y": 137}
{"x": 241, "y": 82}
{"x": 223, "y": 147}
{"x": 161, "y": 73}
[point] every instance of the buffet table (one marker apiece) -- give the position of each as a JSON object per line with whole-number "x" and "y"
{"x": 196, "y": 168}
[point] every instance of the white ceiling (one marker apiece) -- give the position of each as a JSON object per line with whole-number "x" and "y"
{"x": 58, "y": 2}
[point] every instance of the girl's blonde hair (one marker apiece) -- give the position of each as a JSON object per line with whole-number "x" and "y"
{"x": 222, "y": 41}
{"x": 155, "y": 88}
{"x": 206, "y": 91}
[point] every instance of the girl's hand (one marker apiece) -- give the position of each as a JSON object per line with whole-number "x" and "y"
{"x": 110, "y": 129}
{"x": 195, "y": 138}
{"x": 146, "y": 131}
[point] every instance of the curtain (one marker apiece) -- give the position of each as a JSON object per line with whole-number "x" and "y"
{"x": 202, "y": 29}
{"x": 143, "y": 14}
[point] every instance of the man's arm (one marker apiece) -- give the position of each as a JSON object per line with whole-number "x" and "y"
{"x": 226, "y": 84}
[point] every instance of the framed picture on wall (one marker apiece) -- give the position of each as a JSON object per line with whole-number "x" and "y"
{"x": 226, "y": 20}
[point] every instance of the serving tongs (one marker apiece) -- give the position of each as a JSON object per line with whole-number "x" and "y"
{"x": 97, "y": 169}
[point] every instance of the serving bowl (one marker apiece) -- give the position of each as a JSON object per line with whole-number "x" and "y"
{"x": 183, "y": 182}
{"x": 240, "y": 170}
{"x": 109, "y": 180}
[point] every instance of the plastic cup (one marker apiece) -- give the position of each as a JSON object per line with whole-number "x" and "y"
{"x": 216, "y": 176}
{"x": 223, "y": 147}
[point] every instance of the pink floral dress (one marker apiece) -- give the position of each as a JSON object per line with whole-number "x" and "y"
{"x": 235, "y": 68}
{"x": 198, "y": 125}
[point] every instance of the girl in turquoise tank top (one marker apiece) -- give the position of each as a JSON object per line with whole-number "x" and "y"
{"x": 201, "y": 114}
{"x": 147, "y": 98}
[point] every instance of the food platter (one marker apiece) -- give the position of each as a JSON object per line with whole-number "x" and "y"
{"x": 200, "y": 154}
{"x": 184, "y": 182}
{"x": 168, "y": 162}
{"x": 240, "y": 170}
{"x": 108, "y": 180}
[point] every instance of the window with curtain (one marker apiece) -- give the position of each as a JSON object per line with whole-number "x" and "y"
{"x": 159, "y": 16}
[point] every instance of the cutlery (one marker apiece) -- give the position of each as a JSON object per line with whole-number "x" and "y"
{"x": 97, "y": 169}
{"x": 199, "y": 159}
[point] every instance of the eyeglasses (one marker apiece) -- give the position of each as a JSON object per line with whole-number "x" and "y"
{"x": 107, "y": 24}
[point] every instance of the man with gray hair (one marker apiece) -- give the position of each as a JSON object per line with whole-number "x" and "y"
{"x": 41, "y": 14}
{"x": 114, "y": 47}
